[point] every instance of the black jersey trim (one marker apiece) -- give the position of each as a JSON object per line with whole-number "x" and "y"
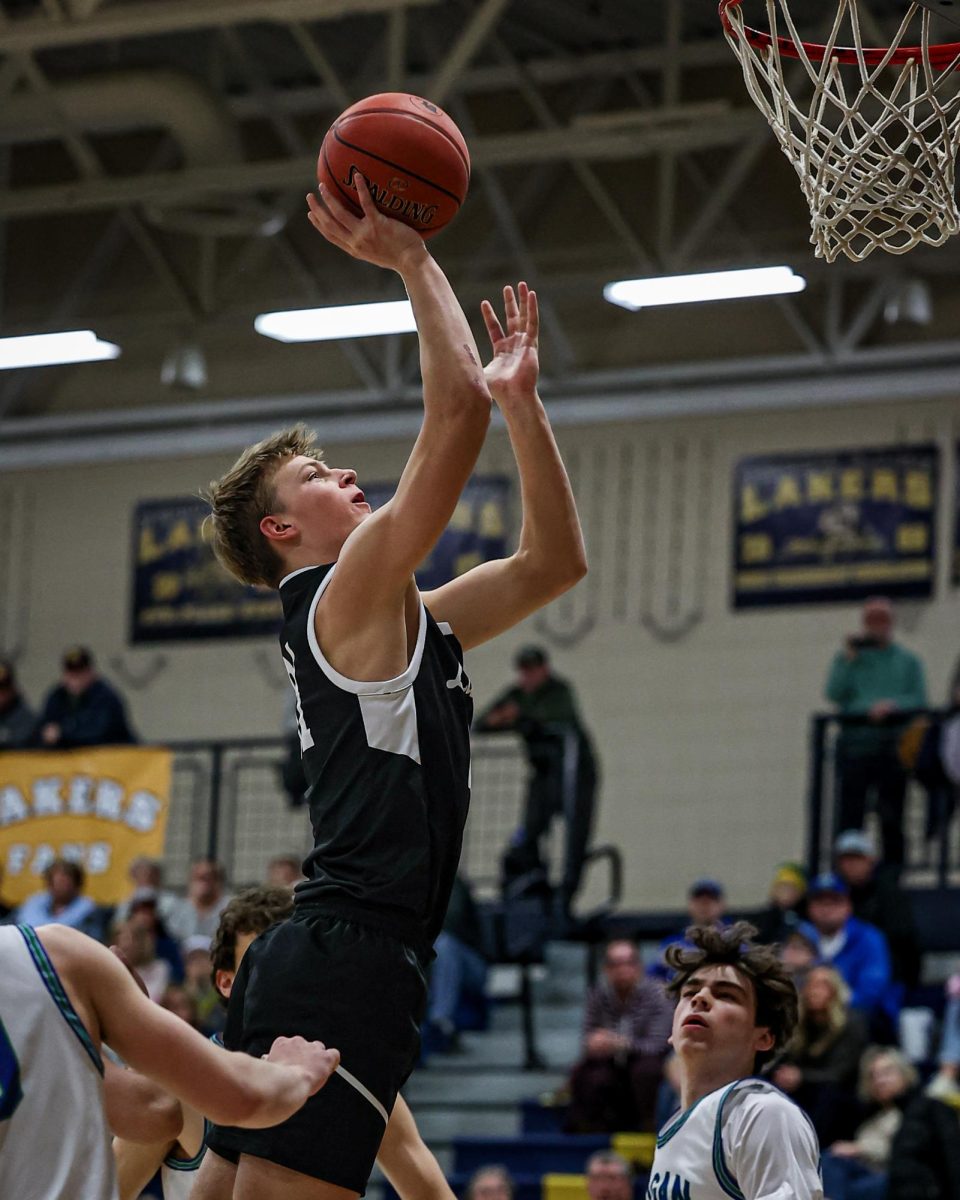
{"x": 358, "y": 687}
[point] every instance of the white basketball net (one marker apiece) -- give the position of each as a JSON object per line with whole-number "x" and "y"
{"x": 875, "y": 145}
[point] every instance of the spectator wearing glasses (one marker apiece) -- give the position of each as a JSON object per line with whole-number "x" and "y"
{"x": 626, "y": 1025}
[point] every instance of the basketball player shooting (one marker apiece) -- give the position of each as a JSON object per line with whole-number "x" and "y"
{"x": 735, "y": 1136}
{"x": 384, "y": 709}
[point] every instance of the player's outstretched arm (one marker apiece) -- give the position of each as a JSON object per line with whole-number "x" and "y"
{"x": 408, "y": 1162}
{"x": 379, "y": 557}
{"x": 229, "y": 1088}
{"x": 550, "y": 556}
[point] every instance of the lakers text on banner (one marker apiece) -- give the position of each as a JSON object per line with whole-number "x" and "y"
{"x": 101, "y": 807}
{"x": 180, "y": 590}
{"x": 832, "y": 527}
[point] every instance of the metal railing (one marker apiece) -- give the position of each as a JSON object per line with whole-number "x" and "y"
{"x": 931, "y": 821}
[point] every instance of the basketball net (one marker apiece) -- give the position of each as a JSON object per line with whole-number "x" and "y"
{"x": 876, "y": 143}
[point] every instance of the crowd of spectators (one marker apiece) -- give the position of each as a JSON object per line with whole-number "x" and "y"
{"x": 82, "y": 709}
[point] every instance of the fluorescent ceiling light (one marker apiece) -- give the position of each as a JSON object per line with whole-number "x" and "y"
{"x": 53, "y": 349}
{"x": 345, "y": 321}
{"x": 717, "y": 285}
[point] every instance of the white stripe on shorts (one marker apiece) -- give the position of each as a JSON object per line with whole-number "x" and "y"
{"x": 364, "y": 1092}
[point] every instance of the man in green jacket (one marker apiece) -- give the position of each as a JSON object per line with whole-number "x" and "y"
{"x": 542, "y": 708}
{"x": 874, "y": 678}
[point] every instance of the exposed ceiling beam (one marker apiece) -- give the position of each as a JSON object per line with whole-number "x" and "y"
{"x": 151, "y": 17}
{"x": 719, "y": 388}
{"x": 546, "y": 145}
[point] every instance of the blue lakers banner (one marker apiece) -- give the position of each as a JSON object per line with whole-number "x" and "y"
{"x": 179, "y": 588}
{"x": 477, "y": 531}
{"x": 832, "y": 527}
{"x": 181, "y": 591}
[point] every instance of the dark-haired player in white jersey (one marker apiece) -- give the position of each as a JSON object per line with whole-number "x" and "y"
{"x": 61, "y": 995}
{"x": 384, "y": 707}
{"x": 176, "y": 1146}
{"x": 735, "y": 1135}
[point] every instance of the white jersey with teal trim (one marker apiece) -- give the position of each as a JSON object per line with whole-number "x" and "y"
{"x": 178, "y": 1175}
{"x": 54, "y": 1141}
{"x": 745, "y": 1141}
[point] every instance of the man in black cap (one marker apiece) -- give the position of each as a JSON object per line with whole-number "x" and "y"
{"x": 83, "y": 710}
{"x": 17, "y": 720}
{"x": 542, "y": 708}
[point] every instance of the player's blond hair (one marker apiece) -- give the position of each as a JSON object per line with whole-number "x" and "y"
{"x": 240, "y": 499}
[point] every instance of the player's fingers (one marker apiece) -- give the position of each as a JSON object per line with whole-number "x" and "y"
{"x": 533, "y": 318}
{"x": 363, "y": 193}
{"x": 510, "y": 309}
{"x": 331, "y": 230}
{"x": 492, "y": 322}
{"x": 522, "y": 292}
{"x": 335, "y": 207}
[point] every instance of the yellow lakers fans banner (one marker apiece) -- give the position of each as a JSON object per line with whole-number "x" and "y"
{"x": 100, "y": 807}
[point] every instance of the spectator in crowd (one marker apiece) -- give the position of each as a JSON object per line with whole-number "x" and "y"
{"x": 138, "y": 948}
{"x": 459, "y": 969}
{"x": 6, "y": 910}
{"x": 62, "y": 902}
{"x": 83, "y": 709}
{"x": 609, "y": 1176}
{"x": 17, "y": 720}
{"x": 819, "y": 1068}
{"x": 199, "y": 986}
{"x": 142, "y": 910}
{"x": 178, "y": 1000}
{"x": 543, "y": 709}
{"x": 490, "y": 1183}
{"x": 878, "y": 899}
{"x": 706, "y": 905}
{"x": 786, "y": 909}
{"x": 875, "y": 678}
{"x": 799, "y": 951}
{"x": 146, "y": 875}
{"x": 626, "y": 1025}
{"x": 206, "y": 899}
{"x": 857, "y": 1169}
{"x": 925, "y": 1161}
{"x": 284, "y": 870}
{"x": 858, "y": 951}
{"x": 946, "y": 1083}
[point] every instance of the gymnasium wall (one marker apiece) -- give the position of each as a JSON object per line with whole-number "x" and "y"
{"x": 700, "y": 713}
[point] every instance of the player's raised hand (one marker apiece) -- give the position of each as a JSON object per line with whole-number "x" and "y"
{"x": 373, "y": 238}
{"x": 513, "y": 370}
{"x": 314, "y": 1058}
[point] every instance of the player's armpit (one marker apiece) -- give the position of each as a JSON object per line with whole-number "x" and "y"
{"x": 408, "y": 1162}
{"x": 495, "y": 596}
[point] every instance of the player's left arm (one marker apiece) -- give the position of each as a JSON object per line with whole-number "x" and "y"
{"x": 408, "y": 1162}
{"x": 139, "y": 1110}
{"x": 550, "y": 557}
{"x": 771, "y": 1149}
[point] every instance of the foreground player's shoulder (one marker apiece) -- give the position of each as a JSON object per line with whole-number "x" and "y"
{"x": 766, "y": 1145}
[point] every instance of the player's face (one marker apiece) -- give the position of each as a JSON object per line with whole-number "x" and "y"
{"x": 318, "y": 499}
{"x": 225, "y": 978}
{"x": 716, "y": 1014}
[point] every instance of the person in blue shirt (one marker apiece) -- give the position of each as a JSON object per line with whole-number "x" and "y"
{"x": 859, "y": 951}
{"x": 62, "y": 902}
{"x": 706, "y": 904}
{"x": 874, "y": 678}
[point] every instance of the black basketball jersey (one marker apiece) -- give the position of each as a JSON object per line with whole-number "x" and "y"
{"x": 388, "y": 768}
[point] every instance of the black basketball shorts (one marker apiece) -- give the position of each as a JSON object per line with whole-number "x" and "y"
{"x": 353, "y": 987}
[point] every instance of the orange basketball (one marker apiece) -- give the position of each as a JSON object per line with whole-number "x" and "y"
{"x": 411, "y": 154}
